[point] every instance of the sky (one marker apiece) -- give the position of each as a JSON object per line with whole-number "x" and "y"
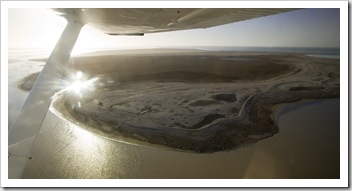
{"x": 320, "y": 27}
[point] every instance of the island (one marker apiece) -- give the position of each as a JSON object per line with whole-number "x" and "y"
{"x": 190, "y": 100}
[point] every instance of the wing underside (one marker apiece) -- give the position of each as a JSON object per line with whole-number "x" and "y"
{"x": 129, "y": 21}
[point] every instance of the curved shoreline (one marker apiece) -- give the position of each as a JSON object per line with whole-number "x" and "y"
{"x": 164, "y": 109}
{"x": 185, "y": 140}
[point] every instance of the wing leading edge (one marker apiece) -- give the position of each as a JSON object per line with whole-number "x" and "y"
{"x": 129, "y": 21}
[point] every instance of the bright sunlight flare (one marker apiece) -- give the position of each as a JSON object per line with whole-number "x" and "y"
{"x": 80, "y": 83}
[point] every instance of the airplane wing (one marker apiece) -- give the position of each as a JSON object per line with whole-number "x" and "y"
{"x": 140, "y": 21}
{"x": 25, "y": 129}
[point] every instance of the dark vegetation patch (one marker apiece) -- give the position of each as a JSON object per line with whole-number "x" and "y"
{"x": 229, "y": 98}
{"x": 203, "y": 103}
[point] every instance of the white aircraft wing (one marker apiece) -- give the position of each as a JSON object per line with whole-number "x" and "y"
{"x": 140, "y": 21}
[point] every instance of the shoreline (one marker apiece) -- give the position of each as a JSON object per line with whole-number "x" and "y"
{"x": 149, "y": 121}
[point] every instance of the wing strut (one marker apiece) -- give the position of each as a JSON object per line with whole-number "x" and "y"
{"x": 26, "y": 127}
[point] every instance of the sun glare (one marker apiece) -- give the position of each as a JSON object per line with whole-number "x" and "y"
{"x": 80, "y": 83}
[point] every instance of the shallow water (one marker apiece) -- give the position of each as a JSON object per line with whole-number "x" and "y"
{"x": 19, "y": 67}
{"x": 307, "y": 146}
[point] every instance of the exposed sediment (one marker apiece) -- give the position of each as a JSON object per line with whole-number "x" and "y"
{"x": 27, "y": 82}
{"x": 200, "y": 101}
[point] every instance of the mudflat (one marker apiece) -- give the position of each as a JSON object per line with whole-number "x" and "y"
{"x": 192, "y": 100}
